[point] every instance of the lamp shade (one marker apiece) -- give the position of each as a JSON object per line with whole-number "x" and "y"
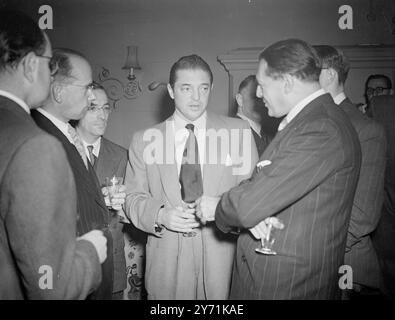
{"x": 132, "y": 61}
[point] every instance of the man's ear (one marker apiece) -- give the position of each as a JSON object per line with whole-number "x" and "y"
{"x": 56, "y": 91}
{"x": 239, "y": 100}
{"x": 170, "y": 90}
{"x": 289, "y": 83}
{"x": 30, "y": 66}
{"x": 332, "y": 75}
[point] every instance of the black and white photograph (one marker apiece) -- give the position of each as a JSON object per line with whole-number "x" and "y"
{"x": 210, "y": 152}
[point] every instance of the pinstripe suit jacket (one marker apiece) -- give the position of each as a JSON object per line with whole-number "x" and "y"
{"x": 366, "y": 210}
{"x": 309, "y": 185}
{"x": 91, "y": 208}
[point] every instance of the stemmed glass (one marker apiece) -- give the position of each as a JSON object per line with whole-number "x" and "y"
{"x": 273, "y": 226}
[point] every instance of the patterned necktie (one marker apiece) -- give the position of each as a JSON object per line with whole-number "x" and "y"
{"x": 92, "y": 157}
{"x": 77, "y": 143}
{"x": 190, "y": 173}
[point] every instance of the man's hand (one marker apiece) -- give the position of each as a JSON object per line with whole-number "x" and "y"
{"x": 117, "y": 199}
{"x": 262, "y": 229}
{"x": 179, "y": 219}
{"x": 99, "y": 241}
{"x": 205, "y": 208}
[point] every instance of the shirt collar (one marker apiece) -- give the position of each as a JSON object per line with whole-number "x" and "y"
{"x": 339, "y": 98}
{"x": 254, "y": 125}
{"x": 299, "y": 107}
{"x": 96, "y": 146}
{"x": 62, "y": 126}
{"x": 180, "y": 122}
{"x": 17, "y": 100}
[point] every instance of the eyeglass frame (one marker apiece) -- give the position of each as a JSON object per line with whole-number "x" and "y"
{"x": 376, "y": 90}
{"x": 53, "y": 67}
{"x": 95, "y": 109}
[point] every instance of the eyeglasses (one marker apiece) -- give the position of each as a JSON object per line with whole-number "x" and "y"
{"x": 93, "y": 108}
{"x": 377, "y": 90}
{"x": 53, "y": 66}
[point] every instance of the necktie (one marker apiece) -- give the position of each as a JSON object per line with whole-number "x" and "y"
{"x": 190, "y": 173}
{"x": 92, "y": 157}
{"x": 77, "y": 143}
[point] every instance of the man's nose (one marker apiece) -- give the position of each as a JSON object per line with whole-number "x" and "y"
{"x": 91, "y": 95}
{"x": 195, "y": 94}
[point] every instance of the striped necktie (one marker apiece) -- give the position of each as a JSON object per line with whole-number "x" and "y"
{"x": 92, "y": 157}
{"x": 77, "y": 143}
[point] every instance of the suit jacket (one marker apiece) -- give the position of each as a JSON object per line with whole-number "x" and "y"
{"x": 310, "y": 186}
{"x": 111, "y": 162}
{"x": 368, "y": 200}
{"x": 91, "y": 208}
{"x": 170, "y": 263}
{"x": 261, "y": 141}
{"x": 38, "y": 215}
{"x": 382, "y": 108}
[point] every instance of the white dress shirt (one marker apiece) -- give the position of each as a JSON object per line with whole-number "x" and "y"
{"x": 181, "y": 136}
{"x": 339, "y": 98}
{"x": 62, "y": 126}
{"x": 299, "y": 107}
{"x": 96, "y": 147}
{"x": 17, "y": 100}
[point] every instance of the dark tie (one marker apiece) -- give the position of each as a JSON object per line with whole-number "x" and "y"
{"x": 190, "y": 173}
{"x": 92, "y": 157}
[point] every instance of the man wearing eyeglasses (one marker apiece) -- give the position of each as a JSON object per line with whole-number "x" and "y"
{"x": 70, "y": 95}
{"x": 40, "y": 257}
{"x": 375, "y": 85}
{"x": 109, "y": 160}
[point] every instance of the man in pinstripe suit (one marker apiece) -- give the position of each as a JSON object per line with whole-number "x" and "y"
{"x": 366, "y": 210}
{"x": 308, "y": 182}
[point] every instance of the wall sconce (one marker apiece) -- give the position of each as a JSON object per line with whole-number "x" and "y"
{"x": 132, "y": 62}
{"x": 115, "y": 88}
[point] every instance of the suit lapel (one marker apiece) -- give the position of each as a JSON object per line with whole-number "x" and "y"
{"x": 212, "y": 172}
{"x": 168, "y": 169}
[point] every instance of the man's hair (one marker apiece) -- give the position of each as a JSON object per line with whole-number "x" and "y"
{"x": 331, "y": 57}
{"x": 61, "y": 58}
{"x": 19, "y": 35}
{"x": 292, "y": 56}
{"x": 251, "y": 79}
{"x": 379, "y": 77}
{"x": 193, "y": 62}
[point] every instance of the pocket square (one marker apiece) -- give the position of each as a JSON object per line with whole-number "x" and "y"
{"x": 261, "y": 164}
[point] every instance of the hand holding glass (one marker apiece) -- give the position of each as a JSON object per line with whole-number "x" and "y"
{"x": 113, "y": 185}
{"x": 273, "y": 226}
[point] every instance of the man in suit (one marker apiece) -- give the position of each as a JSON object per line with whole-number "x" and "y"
{"x": 174, "y": 165}
{"x": 109, "y": 160}
{"x": 70, "y": 95}
{"x": 305, "y": 179}
{"x": 40, "y": 257}
{"x": 366, "y": 210}
{"x": 247, "y": 103}
{"x": 375, "y": 85}
{"x": 383, "y": 238}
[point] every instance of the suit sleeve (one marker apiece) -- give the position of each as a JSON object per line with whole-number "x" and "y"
{"x": 141, "y": 208}
{"x": 41, "y": 224}
{"x": 368, "y": 199}
{"x": 306, "y": 160}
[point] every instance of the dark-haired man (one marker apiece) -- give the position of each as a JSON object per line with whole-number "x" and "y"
{"x": 305, "y": 179}
{"x": 366, "y": 210}
{"x": 39, "y": 255}
{"x": 247, "y": 110}
{"x": 177, "y": 170}
{"x": 70, "y": 95}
